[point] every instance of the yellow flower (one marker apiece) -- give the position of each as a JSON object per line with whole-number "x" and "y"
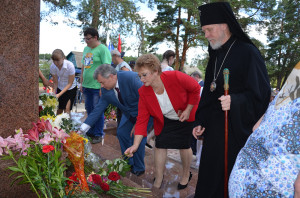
{"x": 48, "y": 117}
{"x": 51, "y": 102}
{"x": 86, "y": 140}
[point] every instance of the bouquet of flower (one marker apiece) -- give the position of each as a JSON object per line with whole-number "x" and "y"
{"x": 110, "y": 112}
{"x": 108, "y": 180}
{"x": 38, "y": 158}
{"x": 47, "y": 105}
{"x": 75, "y": 149}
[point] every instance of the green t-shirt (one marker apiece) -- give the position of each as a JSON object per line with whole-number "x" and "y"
{"x": 92, "y": 58}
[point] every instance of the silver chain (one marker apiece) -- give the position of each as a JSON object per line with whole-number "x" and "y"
{"x": 222, "y": 62}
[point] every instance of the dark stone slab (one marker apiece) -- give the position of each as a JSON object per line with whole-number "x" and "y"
{"x": 19, "y": 51}
{"x": 8, "y": 191}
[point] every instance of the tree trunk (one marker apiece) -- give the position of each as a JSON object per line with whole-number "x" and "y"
{"x": 177, "y": 41}
{"x": 279, "y": 79}
{"x": 185, "y": 43}
{"x": 96, "y": 14}
{"x": 142, "y": 48}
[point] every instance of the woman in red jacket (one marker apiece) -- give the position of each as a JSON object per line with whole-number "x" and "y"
{"x": 171, "y": 98}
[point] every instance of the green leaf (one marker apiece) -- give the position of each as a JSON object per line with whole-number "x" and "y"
{"x": 120, "y": 167}
{"x": 15, "y": 169}
{"x": 7, "y": 157}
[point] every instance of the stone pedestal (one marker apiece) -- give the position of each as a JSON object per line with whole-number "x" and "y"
{"x": 19, "y": 50}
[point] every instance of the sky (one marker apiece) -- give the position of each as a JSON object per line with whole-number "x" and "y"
{"x": 68, "y": 38}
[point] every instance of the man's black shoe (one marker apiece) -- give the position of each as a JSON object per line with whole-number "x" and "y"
{"x": 96, "y": 139}
{"x": 137, "y": 173}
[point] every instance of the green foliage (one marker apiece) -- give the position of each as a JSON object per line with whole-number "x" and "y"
{"x": 110, "y": 112}
{"x": 110, "y": 13}
{"x": 177, "y": 22}
{"x": 44, "y": 171}
{"x": 47, "y": 111}
{"x": 66, "y": 6}
{"x": 82, "y": 194}
{"x": 45, "y": 68}
{"x": 45, "y": 57}
{"x": 49, "y": 104}
{"x": 67, "y": 125}
{"x": 283, "y": 34}
{"x": 129, "y": 58}
{"x": 118, "y": 165}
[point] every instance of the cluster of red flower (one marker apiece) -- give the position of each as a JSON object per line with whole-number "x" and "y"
{"x": 96, "y": 179}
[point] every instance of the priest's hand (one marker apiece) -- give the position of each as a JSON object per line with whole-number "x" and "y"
{"x": 198, "y": 131}
{"x": 225, "y": 102}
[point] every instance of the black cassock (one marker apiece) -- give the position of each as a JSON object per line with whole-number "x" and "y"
{"x": 249, "y": 88}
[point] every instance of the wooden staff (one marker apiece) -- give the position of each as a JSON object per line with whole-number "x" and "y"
{"x": 226, "y": 89}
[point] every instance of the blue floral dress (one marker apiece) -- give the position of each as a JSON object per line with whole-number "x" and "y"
{"x": 269, "y": 163}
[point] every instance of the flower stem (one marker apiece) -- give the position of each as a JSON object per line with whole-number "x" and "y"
{"x": 25, "y": 175}
{"x": 49, "y": 179}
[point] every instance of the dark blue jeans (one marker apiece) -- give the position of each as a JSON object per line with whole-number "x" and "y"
{"x": 91, "y": 99}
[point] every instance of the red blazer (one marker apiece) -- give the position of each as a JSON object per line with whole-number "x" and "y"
{"x": 181, "y": 89}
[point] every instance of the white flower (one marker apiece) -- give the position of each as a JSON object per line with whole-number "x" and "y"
{"x": 58, "y": 119}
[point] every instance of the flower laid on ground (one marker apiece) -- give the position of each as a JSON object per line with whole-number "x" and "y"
{"x": 107, "y": 179}
{"x": 112, "y": 185}
{"x": 37, "y": 156}
{"x": 114, "y": 176}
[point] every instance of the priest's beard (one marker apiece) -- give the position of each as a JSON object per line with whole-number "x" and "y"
{"x": 219, "y": 41}
{"x": 216, "y": 45}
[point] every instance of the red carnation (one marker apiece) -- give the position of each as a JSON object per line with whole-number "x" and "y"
{"x": 73, "y": 179}
{"x": 48, "y": 148}
{"x": 104, "y": 186}
{"x": 114, "y": 176}
{"x": 96, "y": 179}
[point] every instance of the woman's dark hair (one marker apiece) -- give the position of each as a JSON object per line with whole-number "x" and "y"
{"x": 168, "y": 54}
{"x": 91, "y": 31}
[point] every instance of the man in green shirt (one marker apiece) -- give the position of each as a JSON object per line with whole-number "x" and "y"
{"x": 94, "y": 55}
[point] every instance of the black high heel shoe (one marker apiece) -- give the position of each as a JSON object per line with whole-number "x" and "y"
{"x": 180, "y": 186}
